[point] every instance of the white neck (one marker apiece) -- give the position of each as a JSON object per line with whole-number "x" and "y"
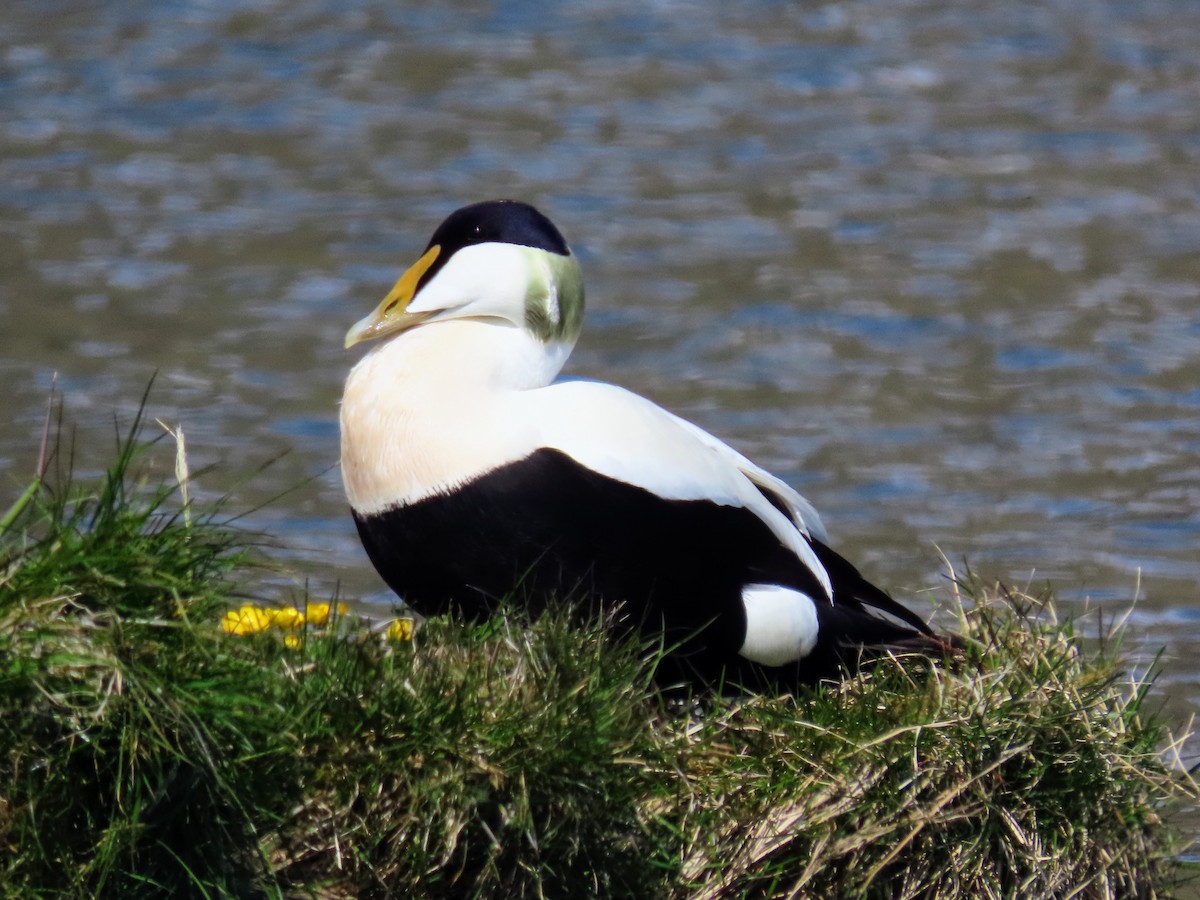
{"x": 426, "y": 409}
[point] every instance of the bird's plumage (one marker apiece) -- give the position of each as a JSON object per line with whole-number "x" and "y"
{"x": 472, "y": 473}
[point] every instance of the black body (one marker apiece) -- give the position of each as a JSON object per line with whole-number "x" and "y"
{"x": 546, "y": 527}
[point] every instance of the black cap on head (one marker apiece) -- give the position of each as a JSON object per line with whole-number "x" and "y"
{"x": 500, "y": 221}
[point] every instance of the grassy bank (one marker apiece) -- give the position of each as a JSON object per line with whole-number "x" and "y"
{"x": 149, "y": 747}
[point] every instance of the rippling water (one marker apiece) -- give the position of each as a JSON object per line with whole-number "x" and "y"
{"x": 937, "y": 265}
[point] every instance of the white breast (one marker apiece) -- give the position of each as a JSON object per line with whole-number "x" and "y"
{"x": 429, "y": 410}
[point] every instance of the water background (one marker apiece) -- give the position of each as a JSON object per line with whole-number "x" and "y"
{"x": 937, "y": 265}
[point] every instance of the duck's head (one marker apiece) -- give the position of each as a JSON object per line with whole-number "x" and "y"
{"x": 500, "y": 261}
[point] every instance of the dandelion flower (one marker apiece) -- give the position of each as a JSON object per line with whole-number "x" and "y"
{"x": 400, "y": 630}
{"x": 288, "y": 617}
{"x": 247, "y": 620}
{"x": 318, "y": 613}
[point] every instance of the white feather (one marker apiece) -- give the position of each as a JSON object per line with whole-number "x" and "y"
{"x": 803, "y": 514}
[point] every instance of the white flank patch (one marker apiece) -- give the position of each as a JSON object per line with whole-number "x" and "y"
{"x": 781, "y": 624}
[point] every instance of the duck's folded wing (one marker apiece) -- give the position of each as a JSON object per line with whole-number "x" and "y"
{"x": 626, "y": 437}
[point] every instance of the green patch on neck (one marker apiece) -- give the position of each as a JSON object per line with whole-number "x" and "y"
{"x": 554, "y": 301}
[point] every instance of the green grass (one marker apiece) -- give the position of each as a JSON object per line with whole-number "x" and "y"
{"x": 145, "y": 752}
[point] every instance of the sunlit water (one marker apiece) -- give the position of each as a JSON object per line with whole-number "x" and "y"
{"x": 937, "y": 265}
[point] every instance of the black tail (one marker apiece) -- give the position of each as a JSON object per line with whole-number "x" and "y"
{"x": 850, "y": 589}
{"x": 853, "y": 629}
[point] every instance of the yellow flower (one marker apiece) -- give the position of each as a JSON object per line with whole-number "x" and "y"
{"x": 318, "y": 613}
{"x": 247, "y": 620}
{"x": 253, "y": 619}
{"x": 288, "y": 617}
{"x": 400, "y": 630}
{"x": 292, "y": 641}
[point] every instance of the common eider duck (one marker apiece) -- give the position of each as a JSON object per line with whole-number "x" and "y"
{"x": 474, "y": 476}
